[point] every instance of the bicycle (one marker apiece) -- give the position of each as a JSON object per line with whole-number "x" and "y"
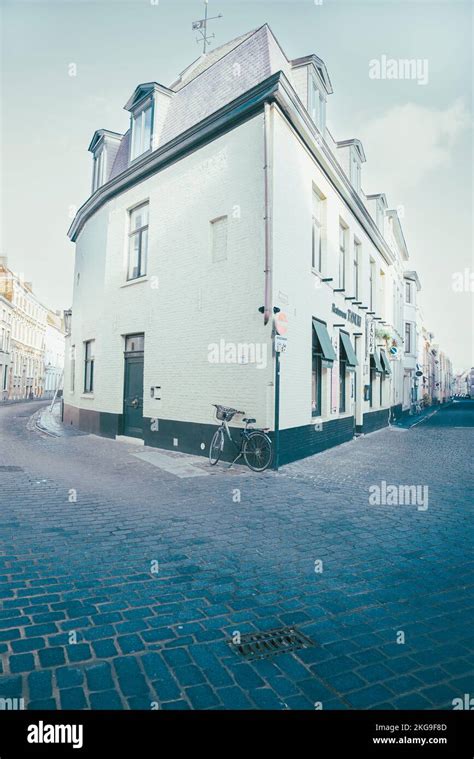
{"x": 255, "y": 445}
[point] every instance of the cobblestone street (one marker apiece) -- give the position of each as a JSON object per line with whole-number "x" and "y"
{"x": 383, "y": 591}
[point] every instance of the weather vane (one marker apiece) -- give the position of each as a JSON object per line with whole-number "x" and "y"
{"x": 201, "y": 27}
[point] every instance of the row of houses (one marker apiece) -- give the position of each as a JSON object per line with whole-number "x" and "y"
{"x": 31, "y": 341}
{"x": 464, "y": 382}
{"x": 229, "y": 254}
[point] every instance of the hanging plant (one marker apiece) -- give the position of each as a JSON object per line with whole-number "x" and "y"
{"x": 383, "y": 334}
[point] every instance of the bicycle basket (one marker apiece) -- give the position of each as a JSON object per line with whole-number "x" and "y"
{"x": 225, "y": 413}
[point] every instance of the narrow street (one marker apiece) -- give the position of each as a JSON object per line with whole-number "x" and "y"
{"x": 126, "y": 571}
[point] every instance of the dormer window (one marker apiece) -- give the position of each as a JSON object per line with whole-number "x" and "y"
{"x": 355, "y": 171}
{"x": 379, "y": 214}
{"x": 316, "y": 104}
{"x": 141, "y": 130}
{"x": 103, "y": 146}
{"x": 98, "y": 172}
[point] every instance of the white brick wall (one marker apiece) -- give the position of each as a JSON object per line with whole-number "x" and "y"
{"x": 295, "y": 172}
{"x": 197, "y": 302}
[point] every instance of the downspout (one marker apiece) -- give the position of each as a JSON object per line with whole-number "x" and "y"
{"x": 268, "y": 181}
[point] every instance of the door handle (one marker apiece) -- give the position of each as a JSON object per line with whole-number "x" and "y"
{"x": 134, "y": 403}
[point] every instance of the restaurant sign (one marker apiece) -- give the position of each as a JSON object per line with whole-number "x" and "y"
{"x": 348, "y": 315}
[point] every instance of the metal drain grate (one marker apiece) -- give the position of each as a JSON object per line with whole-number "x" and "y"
{"x": 271, "y": 643}
{"x": 11, "y": 469}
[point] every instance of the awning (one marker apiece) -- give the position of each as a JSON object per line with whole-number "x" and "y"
{"x": 375, "y": 361}
{"x": 385, "y": 362}
{"x": 351, "y": 357}
{"x": 322, "y": 334}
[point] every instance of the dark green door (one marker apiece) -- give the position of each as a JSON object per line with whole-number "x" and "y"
{"x": 133, "y": 395}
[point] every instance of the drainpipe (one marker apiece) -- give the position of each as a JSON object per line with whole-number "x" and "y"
{"x": 267, "y": 167}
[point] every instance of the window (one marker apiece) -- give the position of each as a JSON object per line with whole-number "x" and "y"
{"x": 317, "y": 231}
{"x": 342, "y": 256}
{"x": 72, "y": 369}
{"x": 373, "y": 376}
{"x": 379, "y": 214}
{"x": 316, "y": 376}
{"x": 219, "y": 239}
{"x": 317, "y": 105}
{"x": 408, "y": 292}
{"x": 382, "y": 378}
{"x": 342, "y": 383}
{"x": 408, "y": 345}
{"x": 89, "y": 366}
{"x": 138, "y": 242}
{"x": 355, "y": 269}
{"x": 372, "y": 285}
{"x": 355, "y": 173}
{"x": 141, "y": 131}
{"x": 98, "y": 173}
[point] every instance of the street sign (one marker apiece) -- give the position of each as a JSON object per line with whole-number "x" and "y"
{"x": 281, "y": 323}
{"x": 280, "y": 343}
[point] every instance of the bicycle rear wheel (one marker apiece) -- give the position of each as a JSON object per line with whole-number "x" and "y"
{"x": 257, "y": 451}
{"x": 216, "y": 447}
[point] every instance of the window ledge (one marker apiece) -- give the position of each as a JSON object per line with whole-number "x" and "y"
{"x": 88, "y": 396}
{"x": 135, "y": 281}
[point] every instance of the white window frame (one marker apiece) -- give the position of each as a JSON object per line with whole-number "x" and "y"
{"x": 318, "y": 221}
{"x": 143, "y": 249}
{"x": 316, "y": 105}
{"x": 356, "y": 264}
{"x": 139, "y": 115}
{"x": 98, "y": 171}
{"x": 342, "y": 255}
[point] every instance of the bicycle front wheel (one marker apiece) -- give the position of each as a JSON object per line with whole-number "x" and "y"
{"x": 257, "y": 451}
{"x": 216, "y": 447}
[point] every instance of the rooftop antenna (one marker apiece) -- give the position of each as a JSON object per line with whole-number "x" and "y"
{"x": 201, "y": 27}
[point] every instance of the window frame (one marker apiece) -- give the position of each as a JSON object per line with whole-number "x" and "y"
{"x": 98, "y": 170}
{"x": 316, "y": 96}
{"x": 142, "y": 259}
{"x": 139, "y": 114}
{"x": 342, "y": 383}
{"x": 356, "y": 261}
{"x": 89, "y": 361}
{"x": 342, "y": 254}
{"x": 317, "y": 222}
{"x": 372, "y": 283}
{"x": 408, "y": 336}
{"x": 316, "y": 358}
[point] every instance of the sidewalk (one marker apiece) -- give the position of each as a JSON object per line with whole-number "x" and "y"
{"x": 49, "y": 422}
{"x": 408, "y": 421}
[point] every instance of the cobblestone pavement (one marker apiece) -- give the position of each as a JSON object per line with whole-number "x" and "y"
{"x": 87, "y": 622}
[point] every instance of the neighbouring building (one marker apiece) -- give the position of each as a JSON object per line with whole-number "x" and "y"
{"x": 411, "y": 339}
{"x": 460, "y": 382}
{"x": 26, "y": 373}
{"x": 6, "y": 315}
{"x": 54, "y": 342}
{"x": 226, "y": 202}
{"x": 470, "y": 382}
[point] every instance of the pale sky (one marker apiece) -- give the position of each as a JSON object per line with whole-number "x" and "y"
{"x": 417, "y": 137}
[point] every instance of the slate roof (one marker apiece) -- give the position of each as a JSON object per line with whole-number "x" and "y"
{"x": 214, "y": 80}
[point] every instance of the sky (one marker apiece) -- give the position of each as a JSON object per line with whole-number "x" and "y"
{"x": 416, "y": 132}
